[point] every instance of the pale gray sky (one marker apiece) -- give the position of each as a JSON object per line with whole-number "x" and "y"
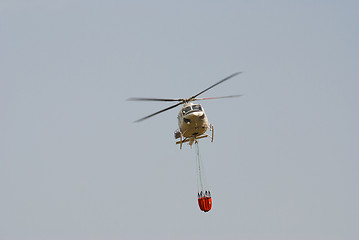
{"x": 285, "y": 161}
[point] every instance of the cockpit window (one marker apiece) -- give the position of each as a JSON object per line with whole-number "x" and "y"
{"x": 186, "y": 110}
{"x": 197, "y": 107}
{"x": 193, "y": 108}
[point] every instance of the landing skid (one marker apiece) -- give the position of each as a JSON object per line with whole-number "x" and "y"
{"x": 194, "y": 139}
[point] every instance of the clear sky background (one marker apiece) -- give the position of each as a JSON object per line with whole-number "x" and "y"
{"x": 285, "y": 159}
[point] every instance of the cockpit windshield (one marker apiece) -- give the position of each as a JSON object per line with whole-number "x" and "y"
{"x": 197, "y": 108}
{"x": 186, "y": 110}
{"x": 193, "y": 108}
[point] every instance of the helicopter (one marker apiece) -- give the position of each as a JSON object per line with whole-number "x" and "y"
{"x": 192, "y": 119}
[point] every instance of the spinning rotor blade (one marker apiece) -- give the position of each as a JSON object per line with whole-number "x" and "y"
{"x": 233, "y": 96}
{"x": 163, "y": 110}
{"x": 181, "y": 100}
{"x": 234, "y": 74}
{"x": 155, "y": 99}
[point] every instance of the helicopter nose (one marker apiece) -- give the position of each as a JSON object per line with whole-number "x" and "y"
{"x": 193, "y": 117}
{"x": 199, "y": 115}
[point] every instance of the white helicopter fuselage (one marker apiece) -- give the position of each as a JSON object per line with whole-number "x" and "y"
{"x": 192, "y": 121}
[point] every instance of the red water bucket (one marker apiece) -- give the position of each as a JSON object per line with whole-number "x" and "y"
{"x": 205, "y": 203}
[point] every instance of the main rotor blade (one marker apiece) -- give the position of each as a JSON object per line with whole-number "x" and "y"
{"x": 232, "y": 96}
{"x": 163, "y": 110}
{"x": 234, "y": 74}
{"x": 155, "y": 99}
